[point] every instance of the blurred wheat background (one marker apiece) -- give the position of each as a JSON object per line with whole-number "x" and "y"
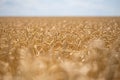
{"x": 66, "y": 48}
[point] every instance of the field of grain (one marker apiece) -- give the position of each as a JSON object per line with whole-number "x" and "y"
{"x": 64, "y": 48}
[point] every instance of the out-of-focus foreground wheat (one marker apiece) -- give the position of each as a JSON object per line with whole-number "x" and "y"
{"x": 60, "y": 48}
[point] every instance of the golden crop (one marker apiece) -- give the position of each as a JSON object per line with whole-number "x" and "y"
{"x": 66, "y": 48}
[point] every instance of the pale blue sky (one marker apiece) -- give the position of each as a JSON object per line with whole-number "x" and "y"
{"x": 59, "y": 7}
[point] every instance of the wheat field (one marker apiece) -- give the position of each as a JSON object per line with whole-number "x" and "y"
{"x": 60, "y": 48}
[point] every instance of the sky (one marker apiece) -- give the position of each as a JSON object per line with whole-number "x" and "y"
{"x": 59, "y": 7}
